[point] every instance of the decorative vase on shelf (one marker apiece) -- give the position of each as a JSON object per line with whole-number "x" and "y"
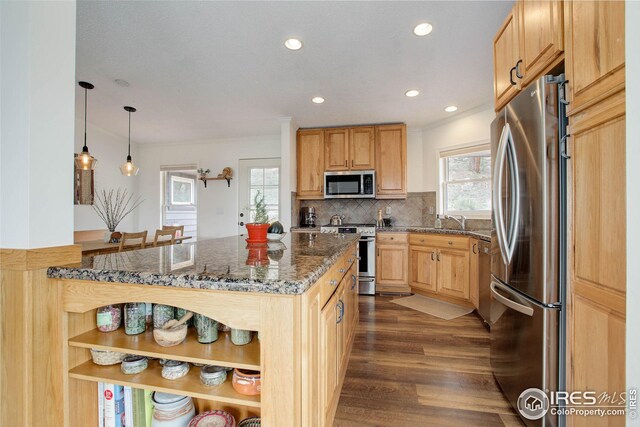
{"x": 107, "y": 236}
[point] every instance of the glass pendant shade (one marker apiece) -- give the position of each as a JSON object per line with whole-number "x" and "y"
{"x": 128, "y": 168}
{"x": 84, "y": 160}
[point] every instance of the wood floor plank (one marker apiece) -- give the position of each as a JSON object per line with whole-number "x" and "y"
{"x": 411, "y": 369}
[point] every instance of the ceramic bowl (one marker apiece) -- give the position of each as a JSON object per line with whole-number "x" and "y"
{"x": 213, "y": 418}
{"x": 250, "y": 422}
{"x": 274, "y": 237}
{"x": 247, "y": 382}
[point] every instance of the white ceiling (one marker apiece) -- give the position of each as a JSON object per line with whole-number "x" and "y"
{"x": 209, "y": 70}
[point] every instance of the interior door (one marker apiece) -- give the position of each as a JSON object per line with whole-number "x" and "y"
{"x": 257, "y": 175}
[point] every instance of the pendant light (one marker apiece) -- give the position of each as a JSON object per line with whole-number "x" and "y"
{"x": 84, "y": 160}
{"x": 128, "y": 168}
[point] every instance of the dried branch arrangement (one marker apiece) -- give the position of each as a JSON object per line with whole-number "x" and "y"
{"x": 113, "y": 206}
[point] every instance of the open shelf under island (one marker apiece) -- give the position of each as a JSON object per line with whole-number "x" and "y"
{"x": 300, "y": 294}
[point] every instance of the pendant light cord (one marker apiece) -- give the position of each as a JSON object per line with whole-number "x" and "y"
{"x": 85, "y": 120}
{"x": 129, "y": 153}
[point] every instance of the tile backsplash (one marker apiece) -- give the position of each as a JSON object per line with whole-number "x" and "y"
{"x": 418, "y": 209}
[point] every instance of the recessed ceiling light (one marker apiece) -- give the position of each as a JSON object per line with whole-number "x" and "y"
{"x": 122, "y": 83}
{"x": 451, "y": 109}
{"x": 411, "y": 93}
{"x": 317, "y": 100}
{"x": 423, "y": 29}
{"x": 293, "y": 44}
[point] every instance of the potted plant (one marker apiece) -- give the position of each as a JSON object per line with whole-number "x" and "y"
{"x": 258, "y": 228}
{"x": 112, "y": 207}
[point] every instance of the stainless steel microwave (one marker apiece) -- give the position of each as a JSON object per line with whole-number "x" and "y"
{"x": 350, "y": 185}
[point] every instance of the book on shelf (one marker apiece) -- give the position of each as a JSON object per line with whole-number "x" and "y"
{"x": 128, "y": 407}
{"x": 109, "y": 405}
{"x": 119, "y": 405}
{"x": 100, "y": 404}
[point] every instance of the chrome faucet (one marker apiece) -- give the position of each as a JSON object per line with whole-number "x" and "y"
{"x": 462, "y": 220}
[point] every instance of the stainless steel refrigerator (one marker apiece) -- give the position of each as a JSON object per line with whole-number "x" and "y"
{"x": 528, "y": 243}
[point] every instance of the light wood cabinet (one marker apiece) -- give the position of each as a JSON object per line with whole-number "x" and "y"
{"x": 336, "y": 149}
{"x": 474, "y": 272}
{"x": 595, "y": 63}
{"x": 391, "y": 161}
{"x": 349, "y": 148}
{"x": 392, "y": 263}
{"x": 505, "y": 57}
{"x": 529, "y": 43}
{"x": 597, "y": 289}
{"x": 540, "y": 36}
{"x": 440, "y": 266}
{"x": 310, "y": 155}
{"x": 424, "y": 268}
{"x": 330, "y": 351}
{"x": 453, "y": 273}
{"x": 362, "y": 148}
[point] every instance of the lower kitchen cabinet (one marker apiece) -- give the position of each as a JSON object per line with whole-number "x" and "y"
{"x": 392, "y": 263}
{"x": 440, "y": 266}
{"x": 330, "y": 351}
{"x": 424, "y": 268}
{"x": 453, "y": 273}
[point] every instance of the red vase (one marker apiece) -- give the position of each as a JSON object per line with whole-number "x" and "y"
{"x": 257, "y": 232}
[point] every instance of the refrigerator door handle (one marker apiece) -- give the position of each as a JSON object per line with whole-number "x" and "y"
{"x": 510, "y": 152}
{"x": 497, "y": 191}
{"x": 506, "y": 301}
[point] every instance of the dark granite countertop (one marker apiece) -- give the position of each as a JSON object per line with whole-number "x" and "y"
{"x": 479, "y": 234}
{"x": 291, "y": 266}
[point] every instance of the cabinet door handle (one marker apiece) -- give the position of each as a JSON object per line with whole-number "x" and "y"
{"x": 340, "y": 308}
{"x": 351, "y": 163}
{"x": 342, "y": 270}
{"x": 355, "y": 281}
{"x": 333, "y": 282}
{"x": 473, "y": 248}
{"x": 518, "y": 75}
{"x": 450, "y": 242}
{"x": 346, "y": 163}
{"x": 378, "y": 188}
{"x": 432, "y": 257}
{"x": 438, "y": 255}
{"x": 378, "y": 251}
{"x": 511, "y": 76}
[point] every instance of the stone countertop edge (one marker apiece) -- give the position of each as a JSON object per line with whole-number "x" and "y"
{"x": 480, "y": 234}
{"x": 205, "y": 281}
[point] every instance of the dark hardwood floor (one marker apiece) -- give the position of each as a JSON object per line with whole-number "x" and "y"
{"x": 411, "y": 369}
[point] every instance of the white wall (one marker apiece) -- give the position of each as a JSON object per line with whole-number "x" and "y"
{"x": 468, "y": 128}
{"x": 111, "y": 152}
{"x": 217, "y": 204}
{"x": 415, "y": 161}
{"x": 632, "y": 40}
{"x": 37, "y": 78}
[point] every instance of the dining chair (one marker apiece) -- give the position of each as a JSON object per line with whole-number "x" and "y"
{"x": 177, "y": 228}
{"x": 132, "y": 236}
{"x": 161, "y": 237}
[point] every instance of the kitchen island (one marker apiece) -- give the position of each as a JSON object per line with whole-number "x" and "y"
{"x": 299, "y": 294}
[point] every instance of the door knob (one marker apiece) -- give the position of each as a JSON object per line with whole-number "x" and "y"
{"x": 241, "y": 223}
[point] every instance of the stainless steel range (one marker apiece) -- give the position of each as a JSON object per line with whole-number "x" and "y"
{"x": 366, "y": 252}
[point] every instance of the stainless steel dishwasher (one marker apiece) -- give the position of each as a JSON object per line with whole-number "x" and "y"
{"x": 484, "y": 281}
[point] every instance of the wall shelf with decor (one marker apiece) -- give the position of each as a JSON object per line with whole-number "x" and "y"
{"x": 227, "y": 175}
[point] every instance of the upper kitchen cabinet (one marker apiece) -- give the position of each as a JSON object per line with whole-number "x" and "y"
{"x": 505, "y": 57}
{"x": 528, "y": 44}
{"x": 362, "y": 148}
{"x": 595, "y": 65}
{"x": 310, "y": 154}
{"x": 336, "y": 149}
{"x": 391, "y": 161}
{"x": 540, "y": 37}
{"x": 349, "y": 149}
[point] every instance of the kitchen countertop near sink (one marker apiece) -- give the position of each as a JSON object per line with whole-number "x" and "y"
{"x": 479, "y": 234}
{"x": 291, "y": 266}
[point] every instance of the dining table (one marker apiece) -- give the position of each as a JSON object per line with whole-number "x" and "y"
{"x": 98, "y": 247}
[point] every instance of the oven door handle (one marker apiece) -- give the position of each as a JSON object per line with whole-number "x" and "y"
{"x": 367, "y": 239}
